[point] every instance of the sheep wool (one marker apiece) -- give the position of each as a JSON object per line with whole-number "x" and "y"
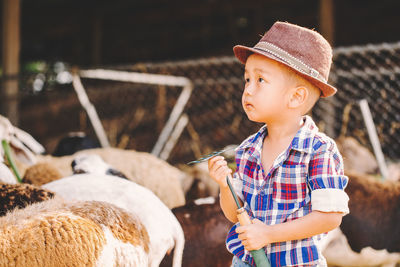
{"x": 58, "y": 233}
{"x": 161, "y": 178}
{"x": 21, "y": 195}
{"x": 163, "y": 228}
{"x": 5, "y": 174}
{"x": 369, "y": 235}
{"x": 41, "y": 173}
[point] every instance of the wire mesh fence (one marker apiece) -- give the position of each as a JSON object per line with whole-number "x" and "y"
{"x": 134, "y": 114}
{"x": 373, "y": 73}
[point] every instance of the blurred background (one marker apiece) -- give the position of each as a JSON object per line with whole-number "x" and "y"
{"x": 46, "y": 43}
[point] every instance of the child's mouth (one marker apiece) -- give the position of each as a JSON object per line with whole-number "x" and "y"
{"x": 248, "y": 105}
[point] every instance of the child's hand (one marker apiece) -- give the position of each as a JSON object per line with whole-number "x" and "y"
{"x": 218, "y": 169}
{"x": 254, "y": 235}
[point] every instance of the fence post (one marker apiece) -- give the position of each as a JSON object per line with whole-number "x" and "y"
{"x": 11, "y": 49}
{"x": 373, "y": 137}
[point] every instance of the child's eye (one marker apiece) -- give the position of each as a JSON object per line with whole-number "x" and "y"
{"x": 246, "y": 80}
{"x": 261, "y": 80}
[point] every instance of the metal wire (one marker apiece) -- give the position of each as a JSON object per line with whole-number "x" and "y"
{"x": 133, "y": 115}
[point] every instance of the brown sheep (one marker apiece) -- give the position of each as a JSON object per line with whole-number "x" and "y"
{"x": 72, "y": 234}
{"x": 41, "y": 173}
{"x": 374, "y": 213}
{"x": 369, "y": 235}
{"x": 205, "y": 228}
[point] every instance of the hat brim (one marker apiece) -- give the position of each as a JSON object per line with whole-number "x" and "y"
{"x": 243, "y": 52}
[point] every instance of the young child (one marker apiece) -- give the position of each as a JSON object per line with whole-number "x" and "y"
{"x": 289, "y": 175}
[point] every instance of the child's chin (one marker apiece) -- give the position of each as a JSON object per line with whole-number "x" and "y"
{"x": 252, "y": 118}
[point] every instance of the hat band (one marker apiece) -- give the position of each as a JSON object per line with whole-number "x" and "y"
{"x": 289, "y": 59}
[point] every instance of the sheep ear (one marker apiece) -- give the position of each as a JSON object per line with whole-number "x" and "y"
{"x": 73, "y": 164}
{"x": 115, "y": 172}
{"x": 29, "y": 141}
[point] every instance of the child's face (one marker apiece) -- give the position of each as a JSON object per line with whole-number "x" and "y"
{"x": 265, "y": 93}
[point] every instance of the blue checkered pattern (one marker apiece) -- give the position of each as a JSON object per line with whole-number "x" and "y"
{"x": 311, "y": 162}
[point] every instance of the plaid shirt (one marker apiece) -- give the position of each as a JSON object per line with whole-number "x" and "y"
{"x": 311, "y": 163}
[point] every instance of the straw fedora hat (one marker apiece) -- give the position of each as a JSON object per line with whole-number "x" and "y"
{"x": 301, "y": 49}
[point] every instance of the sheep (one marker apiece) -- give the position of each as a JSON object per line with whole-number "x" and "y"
{"x": 84, "y": 233}
{"x": 369, "y": 235}
{"x": 93, "y": 164}
{"x": 41, "y": 173}
{"x": 24, "y": 146}
{"x": 202, "y": 185}
{"x": 355, "y": 156}
{"x": 205, "y": 228}
{"x": 5, "y": 174}
{"x": 141, "y": 167}
{"x": 21, "y": 195}
{"x": 163, "y": 228}
{"x": 394, "y": 171}
{"x": 73, "y": 142}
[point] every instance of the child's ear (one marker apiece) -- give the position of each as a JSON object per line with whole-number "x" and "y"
{"x": 298, "y": 97}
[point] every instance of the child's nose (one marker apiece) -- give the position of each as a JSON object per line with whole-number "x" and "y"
{"x": 249, "y": 89}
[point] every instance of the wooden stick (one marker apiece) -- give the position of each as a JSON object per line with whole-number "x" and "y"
{"x": 244, "y": 219}
{"x": 233, "y": 194}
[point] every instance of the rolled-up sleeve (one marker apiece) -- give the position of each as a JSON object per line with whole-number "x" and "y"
{"x": 327, "y": 180}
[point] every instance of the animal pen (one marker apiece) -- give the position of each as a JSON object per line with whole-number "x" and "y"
{"x": 134, "y": 114}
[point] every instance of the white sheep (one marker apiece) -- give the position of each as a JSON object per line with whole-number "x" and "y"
{"x": 163, "y": 228}
{"x": 72, "y": 234}
{"x": 145, "y": 169}
{"x": 140, "y": 167}
{"x": 94, "y": 164}
{"x": 5, "y": 174}
{"x": 23, "y": 145}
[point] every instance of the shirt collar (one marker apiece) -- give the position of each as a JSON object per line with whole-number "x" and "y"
{"x": 253, "y": 144}
{"x": 302, "y": 141}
